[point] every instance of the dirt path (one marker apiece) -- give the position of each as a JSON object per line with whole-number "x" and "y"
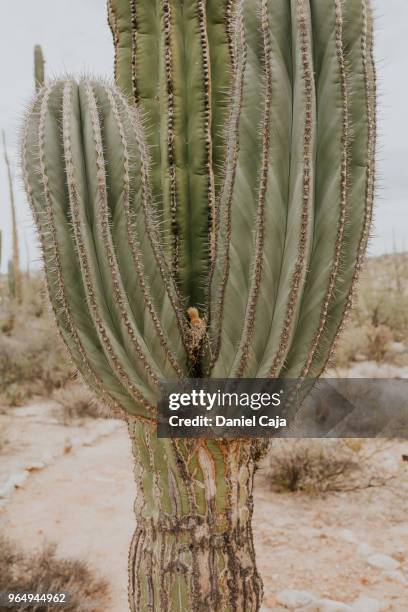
{"x": 83, "y": 500}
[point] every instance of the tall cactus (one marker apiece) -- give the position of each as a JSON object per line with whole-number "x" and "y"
{"x": 39, "y": 67}
{"x": 15, "y": 269}
{"x": 209, "y": 217}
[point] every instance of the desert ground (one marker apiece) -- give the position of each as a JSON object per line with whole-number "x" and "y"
{"x": 73, "y": 485}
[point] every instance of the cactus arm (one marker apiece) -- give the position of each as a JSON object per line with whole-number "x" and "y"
{"x": 229, "y": 287}
{"x": 61, "y": 273}
{"x": 187, "y": 173}
{"x": 299, "y": 227}
{"x": 334, "y": 275}
{"x": 293, "y": 226}
{"x": 259, "y": 263}
{"x": 175, "y": 60}
{"x": 331, "y": 200}
{"x": 362, "y": 171}
{"x": 140, "y": 342}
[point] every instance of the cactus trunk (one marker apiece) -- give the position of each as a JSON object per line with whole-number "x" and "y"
{"x": 193, "y": 546}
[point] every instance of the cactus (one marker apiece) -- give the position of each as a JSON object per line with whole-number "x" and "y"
{"x": 39, "y": 67}
{"x": 11, "y": 280}
{"x": 208, "y": 217}
{"x": 17, "y": 292}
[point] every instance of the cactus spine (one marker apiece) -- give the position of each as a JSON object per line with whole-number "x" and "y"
{"x": 220, "y": 235}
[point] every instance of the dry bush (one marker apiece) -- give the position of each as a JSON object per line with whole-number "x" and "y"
{"x": 320, "y": 466}
{"x": 44, "y": 572}
{"x": 380, "y": 314}
{"x": 353, "y": 345}
{"x": 77, "y": 402}
{"x": 32, "y": 358}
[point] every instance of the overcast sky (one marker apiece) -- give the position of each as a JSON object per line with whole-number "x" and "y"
{"x": 75, "y": 38}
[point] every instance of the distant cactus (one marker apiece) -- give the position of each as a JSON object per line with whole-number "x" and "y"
{"x": 16, "y": 272}
{"x": 221, "y": 236}
{"x": 11, "y": 280}
{"x": 39, "y": 67}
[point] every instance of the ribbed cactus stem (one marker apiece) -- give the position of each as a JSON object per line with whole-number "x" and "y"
{"x": 39, "y": 67}
{"x": 256, "y": 275}
{"x": 299, "y": 268}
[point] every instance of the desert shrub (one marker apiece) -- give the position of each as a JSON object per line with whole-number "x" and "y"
{"x": 32, "y": 357}
{"x": 316, "y": 466}
{"x": 352, "y": 346}
{"x": 380, "y": 313}
{"x": 45, "y": 572}
{"x": 77, "y": 402}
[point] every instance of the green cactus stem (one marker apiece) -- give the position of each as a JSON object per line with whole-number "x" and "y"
{"x": 11, "y": 280}
{"x": 39, "y": 67}
{"x": 207, "y": 217}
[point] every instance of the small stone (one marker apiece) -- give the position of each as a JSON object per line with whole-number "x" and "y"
{"x": 364, "y": 550}
{"x": 269, "y": 603}
{"x": 292, "y": 599}
{"x": 397, "y": 576}
{"x": 14, "y": 481}
{"x": 398, "y": 348}
{"x": 383, "y": 562}
{"x": 328, "y": 605}
{"x": 347, "y": 535}
{"x": 367, "y": 604}
{"x": 35, "y": 466}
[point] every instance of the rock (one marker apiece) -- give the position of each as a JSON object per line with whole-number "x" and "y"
{"x": 397, "y": 576}
{"x": 398, "y": 348}
{"x": 383, "y": 562}
{"x": 364, "y": 550}
{"x": 292, "y": 599}
{"x": 367, "y": 604}
{"x": 310, "y": 532}
{"x": 347, "y": 535}
{"x": 35, "y": 466}
{"x": 13, "y": 482}
{"x": 268, "y": 603}
{"x": 328, "y": 605}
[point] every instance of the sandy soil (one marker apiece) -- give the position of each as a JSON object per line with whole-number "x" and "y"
{"x": 76, "y": 488}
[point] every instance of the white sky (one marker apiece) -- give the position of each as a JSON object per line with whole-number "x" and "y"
{"x": 75, "y": 38}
